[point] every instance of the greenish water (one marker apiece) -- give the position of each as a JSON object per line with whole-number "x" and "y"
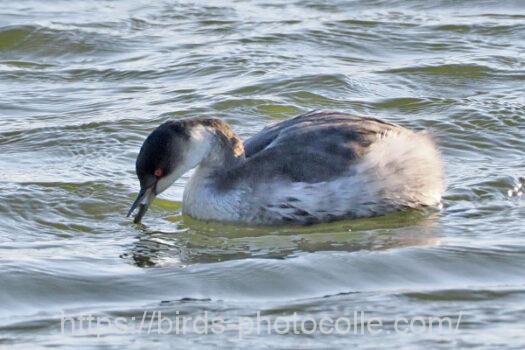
{"x": 83, "y": 82}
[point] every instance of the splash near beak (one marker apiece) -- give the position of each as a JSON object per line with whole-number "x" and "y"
{"x": 144, "y": 199}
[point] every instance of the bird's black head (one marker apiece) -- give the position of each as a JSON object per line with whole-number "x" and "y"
{"x": 161, "y": 155}
{"x": 157, "y": 156}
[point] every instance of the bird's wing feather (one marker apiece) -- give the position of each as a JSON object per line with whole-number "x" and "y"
{"x": 313, "y": 147}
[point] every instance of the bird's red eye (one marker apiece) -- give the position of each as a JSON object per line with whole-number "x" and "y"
{"x": 158, "y": 172}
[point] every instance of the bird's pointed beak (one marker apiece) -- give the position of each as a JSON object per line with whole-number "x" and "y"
{"x": 143, "y": 201}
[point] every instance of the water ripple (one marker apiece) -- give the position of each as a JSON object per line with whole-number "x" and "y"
{"x": 82, "y": 84}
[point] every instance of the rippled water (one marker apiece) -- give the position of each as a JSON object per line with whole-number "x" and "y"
{"x": 83, "y": 82}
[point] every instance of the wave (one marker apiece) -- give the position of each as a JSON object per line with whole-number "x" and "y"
{"x": 38, "y": 41}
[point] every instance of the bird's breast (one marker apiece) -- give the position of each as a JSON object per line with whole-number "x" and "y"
{"x": 202, "y": 200}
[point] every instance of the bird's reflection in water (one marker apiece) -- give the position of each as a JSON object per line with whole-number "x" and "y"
{"x": 205, "y": 242}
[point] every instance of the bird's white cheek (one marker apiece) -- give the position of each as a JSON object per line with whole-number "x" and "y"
{"x": 164, "y": 182}
{"x": 193, "y": 153}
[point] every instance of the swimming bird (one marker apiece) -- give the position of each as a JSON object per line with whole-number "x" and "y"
{"x": 317, "y": 167}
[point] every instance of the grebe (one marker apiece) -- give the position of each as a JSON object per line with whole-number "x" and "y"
{"x": 317, "y": 167}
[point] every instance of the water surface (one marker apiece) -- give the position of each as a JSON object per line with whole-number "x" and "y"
{"x": 82, "y": 84}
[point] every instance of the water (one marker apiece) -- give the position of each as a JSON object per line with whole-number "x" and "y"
{"x": 83, "y": 82}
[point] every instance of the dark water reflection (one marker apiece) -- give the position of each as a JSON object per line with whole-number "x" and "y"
{"x": 200, "y": 242}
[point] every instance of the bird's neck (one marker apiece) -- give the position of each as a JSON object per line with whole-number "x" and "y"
{"x": 221, "y": 151}
{"x": 217, "y": 145}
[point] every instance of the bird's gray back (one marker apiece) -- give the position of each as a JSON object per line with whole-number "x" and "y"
{"x": 314, "y": 147}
